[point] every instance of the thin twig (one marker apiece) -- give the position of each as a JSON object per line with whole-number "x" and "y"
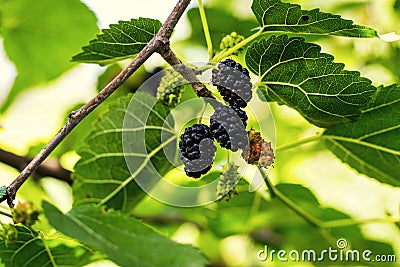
{"x": 160, "y": 39}
{"x": 48, "y": 168}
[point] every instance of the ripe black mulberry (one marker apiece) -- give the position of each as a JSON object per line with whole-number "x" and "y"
{"x": 228, "y": 126}
{"x": 233, "y": 82}
{"x": 197, "y": 150}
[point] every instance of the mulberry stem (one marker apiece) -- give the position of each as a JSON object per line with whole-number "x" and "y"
{"x": 218, "y": 57}
{"x": 203, "y": 110}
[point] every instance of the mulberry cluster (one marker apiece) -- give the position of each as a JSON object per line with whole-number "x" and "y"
{"x": 227, "y": 124}
{"x": 233, "y": 83}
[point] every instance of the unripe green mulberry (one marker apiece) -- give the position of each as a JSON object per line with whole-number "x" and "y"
{"x": 171, "y": 87}
{"x": 226, "y": 187}
{"x": 230, "y": 41}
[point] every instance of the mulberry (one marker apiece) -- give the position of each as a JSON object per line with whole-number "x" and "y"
{"x": 258, "y": 151}
{"x": 226, "y": 186}
{"x": 171, "y": 87}
{"x": 197, "y": 150}
{"x": 228, "y": 126}
{"x": 230, "y": 41}
{"x": 233, "y": 82}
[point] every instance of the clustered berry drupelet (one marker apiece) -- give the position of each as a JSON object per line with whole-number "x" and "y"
{"x": 230, "y": 41}
{"x": 197, "y": 150}
{"x": 171, "y": 88}
{"x": 233, "y": 82}
{"x": 226, "y": 186}
{"x": 228, "y": 126}
{"x": 258, "y": 151}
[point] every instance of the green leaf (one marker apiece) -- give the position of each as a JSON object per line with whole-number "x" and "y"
{"x": 102, "y": 175}
{"x": 126, "y": 240}
{"x": 396, "y": 5}
{"x": 76, "y": 139}
{"x": 297, "y": 74}
{"x": 40, "y": 39}
{"x": 3, "y": 190}
{"x": 274, "y": 15}
{"x": 30, "y": 248}
{"x": 121, "y": 41}
{"x": 372, "y": 145}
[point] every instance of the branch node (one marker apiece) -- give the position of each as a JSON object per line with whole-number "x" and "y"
{"x": 161, "y": 41}
{"x": 187, "y": 72}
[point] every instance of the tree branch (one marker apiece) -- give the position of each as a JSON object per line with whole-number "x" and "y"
{"x": 187, "y": 72}
{"x": 160, "y": 39}
{"x": 48, "y": 168}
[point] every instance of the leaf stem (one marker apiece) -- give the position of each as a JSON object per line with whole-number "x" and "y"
{"x": 299, "y": 143}
{"x": 255, "y": 206}
{"x": 205, "y": 29}
{"x": 228, "y": 156}
{"x": 274, "y": 192}
{"x": 223, "y": 54}
{"x": 288, "y": 202}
